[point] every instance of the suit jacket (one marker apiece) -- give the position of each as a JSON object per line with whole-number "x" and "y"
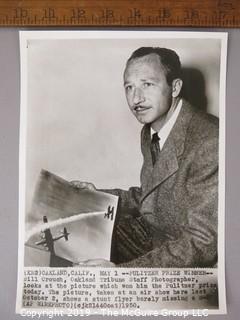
{"x": 171, "y": 220}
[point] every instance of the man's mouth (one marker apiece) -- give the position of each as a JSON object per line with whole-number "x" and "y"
{"x": 140, "y": 108}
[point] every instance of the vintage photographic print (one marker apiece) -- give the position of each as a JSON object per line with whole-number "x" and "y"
{"x": 122, "y": 181}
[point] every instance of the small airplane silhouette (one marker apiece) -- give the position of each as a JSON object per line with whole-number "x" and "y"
{"x": 109, "y": 213}
{"x": 48, "y": 240}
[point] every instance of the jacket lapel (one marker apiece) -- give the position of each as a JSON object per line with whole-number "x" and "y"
{"x": 168, "y": 162}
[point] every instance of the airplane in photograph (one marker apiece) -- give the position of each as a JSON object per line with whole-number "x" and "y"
{"x": 109, "y": 213}
{"x": 48, "y": 240}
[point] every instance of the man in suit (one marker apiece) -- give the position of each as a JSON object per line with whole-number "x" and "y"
{"x": 171, "y": 219}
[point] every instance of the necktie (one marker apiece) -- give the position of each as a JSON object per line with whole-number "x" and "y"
{"x": 154, "y": 147}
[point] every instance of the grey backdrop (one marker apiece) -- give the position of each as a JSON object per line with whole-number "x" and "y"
{"x": 9, "y": 139}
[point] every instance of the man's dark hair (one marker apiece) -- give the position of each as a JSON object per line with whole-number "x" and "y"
{"x": 169, "y": 59}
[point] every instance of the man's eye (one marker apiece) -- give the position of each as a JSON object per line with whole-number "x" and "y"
{"x": 128, "y": 88}
{"x": 147, "y": 84}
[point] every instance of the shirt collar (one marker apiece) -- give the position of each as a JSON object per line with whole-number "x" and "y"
{"x": 166, "y": 129}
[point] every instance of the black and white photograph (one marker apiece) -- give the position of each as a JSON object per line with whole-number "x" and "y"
{"x": 122, "y": 157}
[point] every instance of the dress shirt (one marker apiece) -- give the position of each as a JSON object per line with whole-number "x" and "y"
{"x": 164, "y": 132}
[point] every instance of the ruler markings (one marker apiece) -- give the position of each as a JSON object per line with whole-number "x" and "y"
{"x": 120, "y": 12}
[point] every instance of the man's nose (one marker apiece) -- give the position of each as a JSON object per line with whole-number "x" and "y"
{"x": 138, "y": 96}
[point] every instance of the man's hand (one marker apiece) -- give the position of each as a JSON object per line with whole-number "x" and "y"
{"x": 83, "y": 185}
{"x": 94, "y": 263}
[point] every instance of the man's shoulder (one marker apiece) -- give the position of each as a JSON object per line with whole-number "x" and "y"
{"x": 201, "y": 124}
{"x": 202, "y": 130}
{"x": 204, "y": 125}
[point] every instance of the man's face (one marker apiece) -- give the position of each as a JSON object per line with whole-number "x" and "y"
{"x": 148, "y": 94}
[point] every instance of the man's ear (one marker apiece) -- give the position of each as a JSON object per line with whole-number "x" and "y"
{"x": 176, "y": 87}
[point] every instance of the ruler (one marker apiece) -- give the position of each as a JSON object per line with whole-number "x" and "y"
{"x": 120, "y": 13}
